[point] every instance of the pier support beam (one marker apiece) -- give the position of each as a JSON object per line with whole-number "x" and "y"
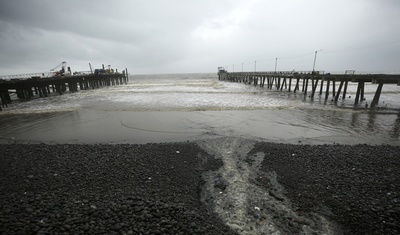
{"x": 45, "y": 93}
{"x": 5, "y": 99}
{"x": 263, "y": 81}
{"x": 377, "y": 95}
{"x": 297, "y": 85}
{"x": 278, "y": 82}
{"x": 270, "y": 82}
{"x": 327, "y": 90}
{"x": 306, "y": 88}
{"x": 345, "y": 89}
{"x": 314, "y": 87}
{"x": 321, "y": 88}
{"x": 283, "y": 84}
{"x": 339, "y": 90}
{"x": 360, "y": 91}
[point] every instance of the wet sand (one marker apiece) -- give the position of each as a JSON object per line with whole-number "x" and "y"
{"x": 127, "y": 127}
{"x": 175, "y": 188}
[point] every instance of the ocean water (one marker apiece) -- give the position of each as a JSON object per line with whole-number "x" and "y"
{"x": 182, "y": 107}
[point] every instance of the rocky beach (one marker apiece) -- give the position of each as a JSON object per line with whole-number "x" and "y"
{"x": 105, "y": 189}
{"x": 356, "y": 186}
{"x": 166, "y": 188}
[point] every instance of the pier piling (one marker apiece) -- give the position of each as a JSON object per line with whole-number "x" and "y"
{"x": 377, "y": 95}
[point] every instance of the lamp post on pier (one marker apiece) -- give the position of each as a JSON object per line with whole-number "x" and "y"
{"x": 276, "y": 63}
{"x": 315, "y": 59}
{"x": 255, "y": 65}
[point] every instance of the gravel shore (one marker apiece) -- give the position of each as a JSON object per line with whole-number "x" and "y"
{"x": 155, "y": 188}
{"x": 105, "y": 189}
{"x": 356, "y": 186}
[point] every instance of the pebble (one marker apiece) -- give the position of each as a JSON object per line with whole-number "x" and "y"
{"x": 29, "y": 210}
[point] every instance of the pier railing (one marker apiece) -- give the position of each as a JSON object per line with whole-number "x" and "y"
{"x": 286, "y": 79}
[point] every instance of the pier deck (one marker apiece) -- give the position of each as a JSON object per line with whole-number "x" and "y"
{"x": 284, "y": 80}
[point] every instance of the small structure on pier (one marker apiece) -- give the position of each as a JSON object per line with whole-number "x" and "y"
{"x": 37, "y": 85}
{"x": 284, "y": 79}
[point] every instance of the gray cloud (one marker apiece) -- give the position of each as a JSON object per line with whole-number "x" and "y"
{"x": 198, "y": 36}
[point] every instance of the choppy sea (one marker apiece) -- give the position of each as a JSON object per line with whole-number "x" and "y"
{"x": 182, "y": 107}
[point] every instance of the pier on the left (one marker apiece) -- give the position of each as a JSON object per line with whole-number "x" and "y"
{"x": 26, "y": 87}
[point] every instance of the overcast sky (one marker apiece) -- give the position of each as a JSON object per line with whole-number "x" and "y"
{"x": 180, "y": 36}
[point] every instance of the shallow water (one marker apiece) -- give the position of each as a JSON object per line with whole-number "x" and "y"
{"x": 165, "y": 108}
{"x": 245, "y": 206}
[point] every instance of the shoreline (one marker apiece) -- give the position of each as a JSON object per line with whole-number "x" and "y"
{"x": 125, "y": 127}
{"x": 130, "y": 188}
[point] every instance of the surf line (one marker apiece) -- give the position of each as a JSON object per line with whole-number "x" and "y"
{"x": 248, "y": 208}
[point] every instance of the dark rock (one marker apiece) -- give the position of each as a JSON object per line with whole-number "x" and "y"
{"x": 116, "y": 227}
{"x": 29, "y": 210}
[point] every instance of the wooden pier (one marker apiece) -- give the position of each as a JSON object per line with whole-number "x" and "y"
{"x": 281, "y": 80}
{"x": 27, "y": 88}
